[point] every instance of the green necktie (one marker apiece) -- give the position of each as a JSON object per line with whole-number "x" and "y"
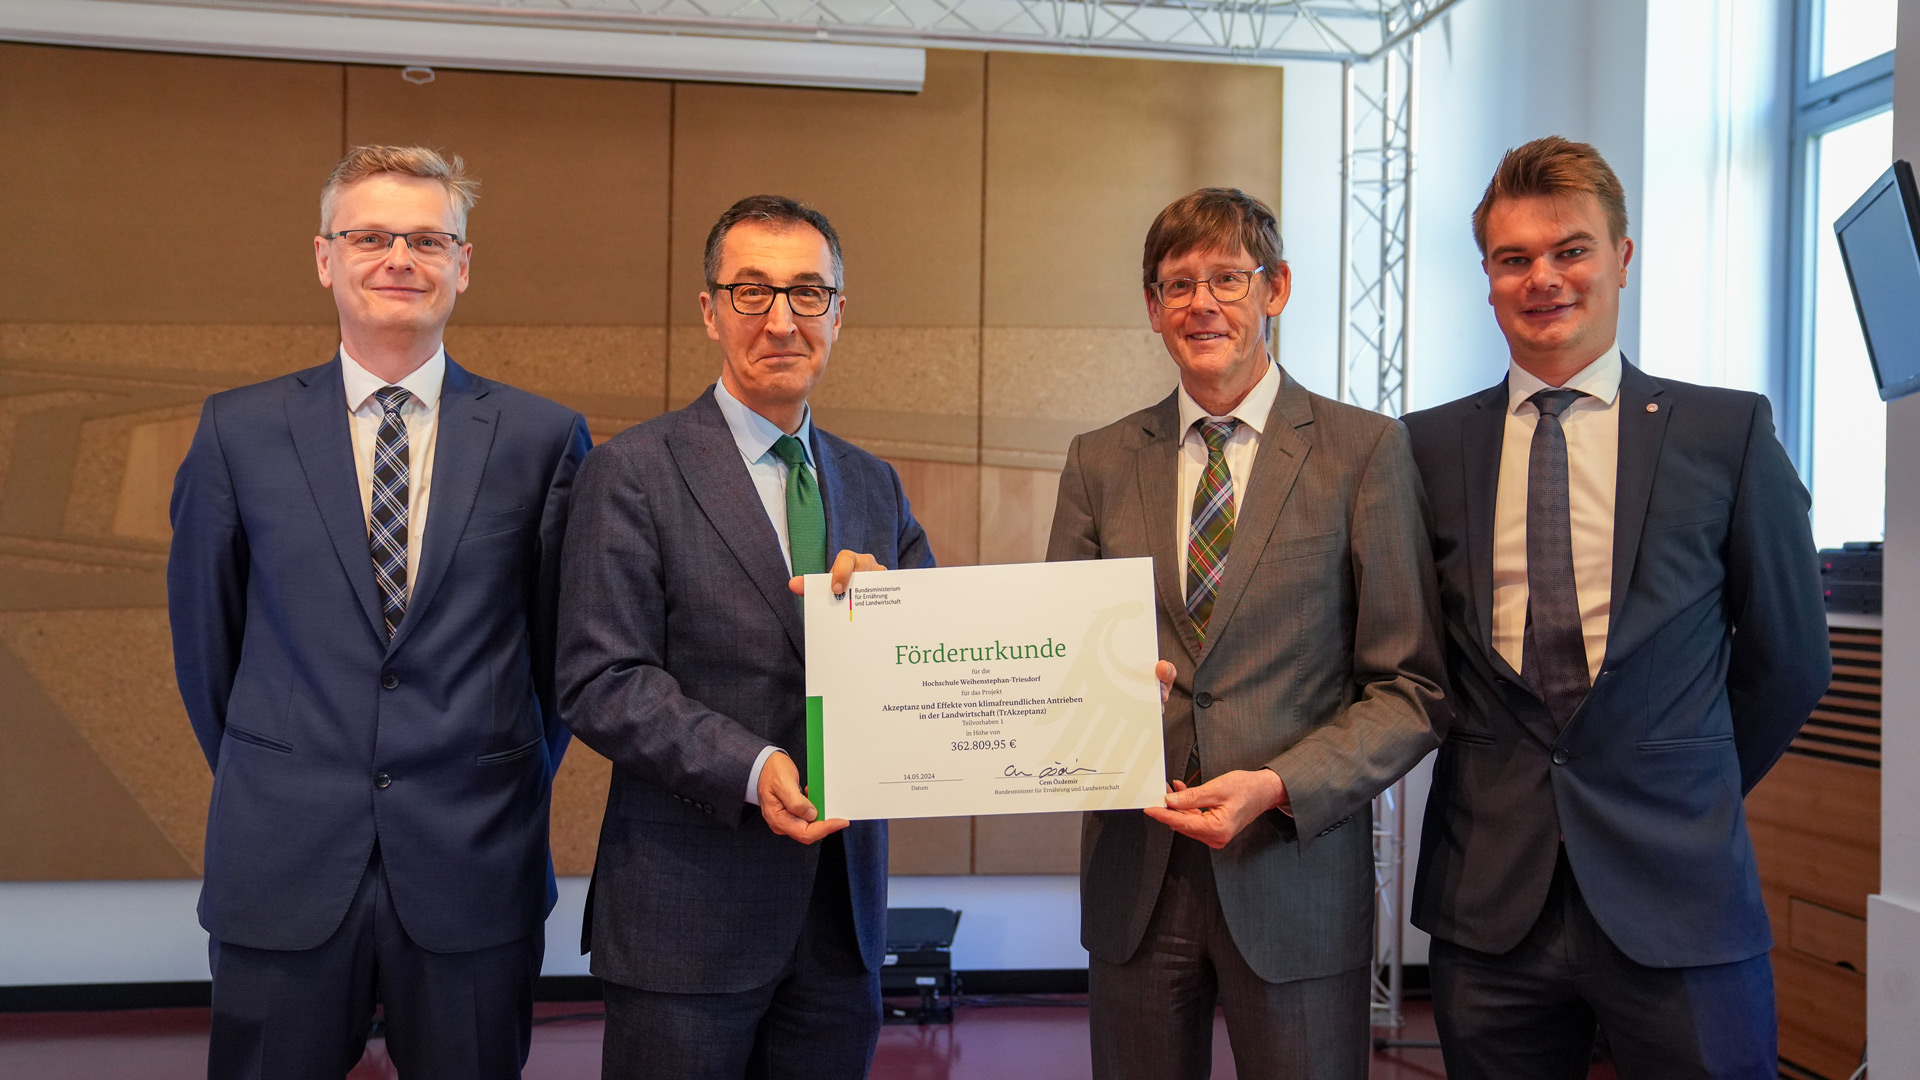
{"x": 806, "y": 517}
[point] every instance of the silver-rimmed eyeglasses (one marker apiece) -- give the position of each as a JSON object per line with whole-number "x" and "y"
{"x": 806, "y": 301}
{"x": 1226, "y": 287}
{"x": 431, "y": 246}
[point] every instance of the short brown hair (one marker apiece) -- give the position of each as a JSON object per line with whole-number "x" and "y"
{"x": 1212, "y": 217}
{"x": 428, "y": 164}
{"x": 1553, "y": 166}
{"x": 779, "y": 212}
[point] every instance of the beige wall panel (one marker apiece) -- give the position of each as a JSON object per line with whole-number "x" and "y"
{"x": 946, "y": 502}
{"x": 579, "y": 800}
{"x": 218, "y": 355}
{"x": 564, "y": 362}
{"x": 898, "y": 175}
{"x": 572, "y": 221}
{"x": 1044, "y": 386}
{"x": 63, "y": 815}
{"x": 1082, "y": 152}
{"x": 154, "y": 453}
{"x": 1027, "y": 844}
{"x": 161, "y": 188}
{"x": 1016, "y": 513}
{"x": 110, "y": 673}
{"x": 930, "y": 846}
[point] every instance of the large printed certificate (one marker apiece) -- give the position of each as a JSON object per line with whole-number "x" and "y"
{"x": 984, "y": 690}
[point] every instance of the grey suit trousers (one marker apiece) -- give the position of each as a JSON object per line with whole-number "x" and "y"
{"x": 1152, "y": 1017}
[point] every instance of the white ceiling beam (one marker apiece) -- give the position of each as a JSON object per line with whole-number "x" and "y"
{"x": 376, "y": 39}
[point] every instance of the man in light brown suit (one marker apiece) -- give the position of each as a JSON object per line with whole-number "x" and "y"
{"x": 1298, "y": 605}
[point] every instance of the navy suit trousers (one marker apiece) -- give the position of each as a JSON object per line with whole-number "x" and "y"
{"x": 819, "y": 1020}
{"x": 1532, "y": 1011}
{"x": 306, "y": 1014}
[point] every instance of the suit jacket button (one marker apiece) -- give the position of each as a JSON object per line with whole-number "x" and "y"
{"x": 382, "y": 780}
{"x": 1560, "y": 757}
{"x": 390, "y": 680}
{"x": 1203, "y": 699}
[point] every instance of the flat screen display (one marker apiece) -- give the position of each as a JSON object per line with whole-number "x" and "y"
{"x": 1881, "y": 248}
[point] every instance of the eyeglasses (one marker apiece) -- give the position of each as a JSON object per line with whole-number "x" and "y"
{"x": 426, "y": 246}
{"x": 1226, "y": 287}
{"x": 807, "y": 301}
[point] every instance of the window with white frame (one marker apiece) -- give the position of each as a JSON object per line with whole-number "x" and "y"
{"x": 1842, "y": 132}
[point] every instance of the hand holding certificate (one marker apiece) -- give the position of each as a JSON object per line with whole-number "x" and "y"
{"x": 984, "y": 690}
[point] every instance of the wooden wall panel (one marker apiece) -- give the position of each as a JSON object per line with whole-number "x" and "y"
{"x": 991, "y": 226}
{"x": 166, "y": 189}
{"x": 571, "y": 227}
{"x": 1082, "y": 153}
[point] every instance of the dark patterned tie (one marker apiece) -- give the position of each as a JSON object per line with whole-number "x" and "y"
{"x": 806, "y": 517}
{"x": 387, "y": 523}
{"x": 1212, "y": 530}
{"x": 1553, "y": 659}
{"x": 1207, "y": 542}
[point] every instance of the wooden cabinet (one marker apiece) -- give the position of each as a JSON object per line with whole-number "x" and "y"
{"x": 1815, "y": 821}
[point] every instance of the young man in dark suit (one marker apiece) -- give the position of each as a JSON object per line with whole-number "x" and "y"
{"x": 362, "y": 588}
{"x": 737, "y": 935}
{"x": 1635, "y": 632}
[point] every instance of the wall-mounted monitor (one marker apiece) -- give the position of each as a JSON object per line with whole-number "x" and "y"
{"x": 1880, "y": 244}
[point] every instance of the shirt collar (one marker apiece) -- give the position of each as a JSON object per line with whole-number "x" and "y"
{"x": 1600, "y": 379}
{"x": 424, "y": 383}
{"x": 755, "y": 434}
{"x": 1252, "y": 411}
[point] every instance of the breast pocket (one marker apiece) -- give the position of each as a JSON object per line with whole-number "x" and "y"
{"x": 1679, "y": 517}
{"x": 494, "y": 524}
{"x": 1286, "y": 549}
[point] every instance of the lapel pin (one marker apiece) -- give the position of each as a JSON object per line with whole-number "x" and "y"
{"x": 1652, "y": 407}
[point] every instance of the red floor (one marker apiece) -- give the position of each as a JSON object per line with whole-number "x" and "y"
{"x": 983, "y": 1042}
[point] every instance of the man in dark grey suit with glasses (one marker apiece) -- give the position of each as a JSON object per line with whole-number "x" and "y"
{"x": 1297, "y": 603}
{"x": 737, "y": 935}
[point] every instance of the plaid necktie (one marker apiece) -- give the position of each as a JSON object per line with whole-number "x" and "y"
{"x": 387, "y": 524}
{"x": 1553, "y": 658}
{"x": 1207, "y": 543}
{"x": 806, "y": 517}
{"x": 1212, "y": 530}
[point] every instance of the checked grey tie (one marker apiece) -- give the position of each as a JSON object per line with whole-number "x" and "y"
{"x": 1553, "y": 659}
{"x": 387, "y": 523}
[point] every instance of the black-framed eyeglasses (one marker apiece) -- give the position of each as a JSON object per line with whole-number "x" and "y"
{"x": 806, "y": 301}
{"x": 1226, "y": 287}
{"x": 424, "y": 245}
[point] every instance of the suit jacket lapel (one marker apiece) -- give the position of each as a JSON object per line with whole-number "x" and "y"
{"x": 317, "y": 418}
{"x": 464, "y": 439}
{"x": 709, "y": 460}
{"x": 1157, "y": 466}
{"x": 1641, "y": 434}
{"x": 1482, "y": 433}
{"x": 1283, "y": 450}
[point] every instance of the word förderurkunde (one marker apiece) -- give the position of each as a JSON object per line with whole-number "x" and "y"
{"x": 976, "y": 654}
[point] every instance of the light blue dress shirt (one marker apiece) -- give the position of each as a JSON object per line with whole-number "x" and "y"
{"x": 755, "y": 435}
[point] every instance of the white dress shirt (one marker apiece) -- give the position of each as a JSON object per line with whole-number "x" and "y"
{"x": 755, "y": 435}
{"x": 422, "y": 415}
{"x": 1592, "y": 427}
{"x": 1240, "y": 450}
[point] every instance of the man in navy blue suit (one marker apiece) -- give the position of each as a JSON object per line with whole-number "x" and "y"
{"x": 363, "y": 587}
{"x": 736, "y": 934}
{"x": 1634, "y": 634}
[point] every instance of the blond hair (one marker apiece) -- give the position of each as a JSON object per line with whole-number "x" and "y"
{"x": 364, "y": 161}
{"x": 1554, "y": 166}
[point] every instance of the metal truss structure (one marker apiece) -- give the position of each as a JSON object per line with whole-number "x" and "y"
{"x": 1246, "y": 31}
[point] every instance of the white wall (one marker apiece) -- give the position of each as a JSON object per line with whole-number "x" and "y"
{"x": 1495, "y": 74}
{"x": 1893, "y": 916}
